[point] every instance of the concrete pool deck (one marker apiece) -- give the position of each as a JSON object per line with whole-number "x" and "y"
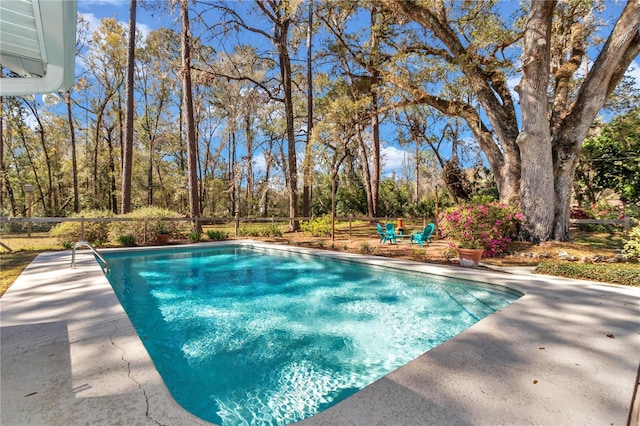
{"x": 566, "y": 353}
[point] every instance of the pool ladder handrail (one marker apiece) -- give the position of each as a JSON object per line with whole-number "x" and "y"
{"x": 95, "y": 252}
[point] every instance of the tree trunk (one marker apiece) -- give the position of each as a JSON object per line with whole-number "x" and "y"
{"x": 534, "y": 140}
{"x": 150, "y": 173}
{"x": 418, "y": 160}
{"x": 306, "y": 193}
{"x": 187, "y": 94}
{"x": 249, "y": 158}
{"x": 49, "y": 197}
{"x": 334, "y": 189}
{"x": 74, "y": 159}
{"x": 231, "y": 186}
{"x": 375, "y": 160}
{"x": 285, "y": 73}
{"x": 375, "y": 119}
{"x": 127, "y": 157}
{"x": 366, "y": 174}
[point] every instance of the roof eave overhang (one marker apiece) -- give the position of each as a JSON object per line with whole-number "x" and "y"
{"x": 57, "y": 21}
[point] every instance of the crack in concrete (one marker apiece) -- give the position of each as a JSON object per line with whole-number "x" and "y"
{"x": 146, "y": 398}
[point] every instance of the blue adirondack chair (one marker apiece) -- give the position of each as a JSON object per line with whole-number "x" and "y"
{"x": 381, "y": 233}
{"x": 424, "y": 236}
{"x": 391, "y": 232}
{"x": 384, "y": 235}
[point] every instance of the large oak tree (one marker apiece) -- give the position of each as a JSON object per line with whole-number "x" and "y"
{"x": 531, "y": 147}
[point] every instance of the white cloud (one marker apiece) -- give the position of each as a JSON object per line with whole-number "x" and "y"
{"x": 143, "y": 30}
{"x": 259, "y": 164}
{"x": 92, "y": 20}
{"x": 94, "y": 23}
{"x": 392, "y": 159}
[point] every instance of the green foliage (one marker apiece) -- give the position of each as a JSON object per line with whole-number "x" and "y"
{"x": 617, "y": 273}
{"x": 393, "y": 199}
{"x": 249, "y": 231}
{"x": 418, "y": 255}
{"x": 365, "y": 248}
{"x": 351, "y": 199}
{"x": 271, "y": 230}
{"x": 217, "y": 235}
{"x": 425, "y": 208}
{"x": 150, "y": 221}
{"x": 632, "y": 247}
{"x": 96, "y": 233}
{"x": 611, "y": 160}
{"x": 195, "y": 236}
{"x": 127, "y": 240}
{"x": 317, "y": 227}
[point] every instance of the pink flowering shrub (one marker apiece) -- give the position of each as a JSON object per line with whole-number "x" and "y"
{"x": 488, "y": 226}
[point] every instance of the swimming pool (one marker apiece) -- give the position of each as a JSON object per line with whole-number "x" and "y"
{"x": 259, "y": 336}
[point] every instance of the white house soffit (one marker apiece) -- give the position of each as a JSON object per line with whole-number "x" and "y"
{"x": 37, "y": 42}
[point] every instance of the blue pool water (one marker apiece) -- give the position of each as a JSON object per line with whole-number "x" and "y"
{"x": 255, "y": 336}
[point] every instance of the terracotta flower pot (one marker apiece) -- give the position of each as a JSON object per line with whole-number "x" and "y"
{"x": 469, "y": 257}
{"x": 162, "y": 239}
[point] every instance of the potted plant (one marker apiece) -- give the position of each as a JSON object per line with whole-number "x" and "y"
{"x": 162, "y": 237}
{"x": 479, "y": 229}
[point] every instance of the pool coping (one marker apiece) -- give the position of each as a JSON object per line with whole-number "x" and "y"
{"x": 564, "y": 353}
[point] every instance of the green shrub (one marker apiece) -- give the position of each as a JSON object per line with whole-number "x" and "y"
{"x": 127, "y": 240}
{"x": 365, "y": 248}
{"x": 217, "y": 235}
{"x": 317, "y": 227}
{"x": 249, "y": 231}
{"x": 271, "y": 230}
{"x": 632, "y": 247}
{"x": 417, "y": 254}
{"x": 96, "y": 233}
{"x": 617, "y": 273}
{"x": 150, "y": 221}
{"x": 195, "y": 236}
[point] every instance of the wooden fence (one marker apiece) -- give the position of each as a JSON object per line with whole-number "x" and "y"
{"x": 626, "y": 223}
{"x": 236, "y": 221}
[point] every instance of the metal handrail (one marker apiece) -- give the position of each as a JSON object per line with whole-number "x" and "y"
{"x": 95, "y": 252}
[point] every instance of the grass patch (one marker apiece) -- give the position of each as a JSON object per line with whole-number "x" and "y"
{"x": 617, "y": 273}
{"x": 39, "y": 241}
{"x": 599, "y": 240}
{"x": 12, "y": 265}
